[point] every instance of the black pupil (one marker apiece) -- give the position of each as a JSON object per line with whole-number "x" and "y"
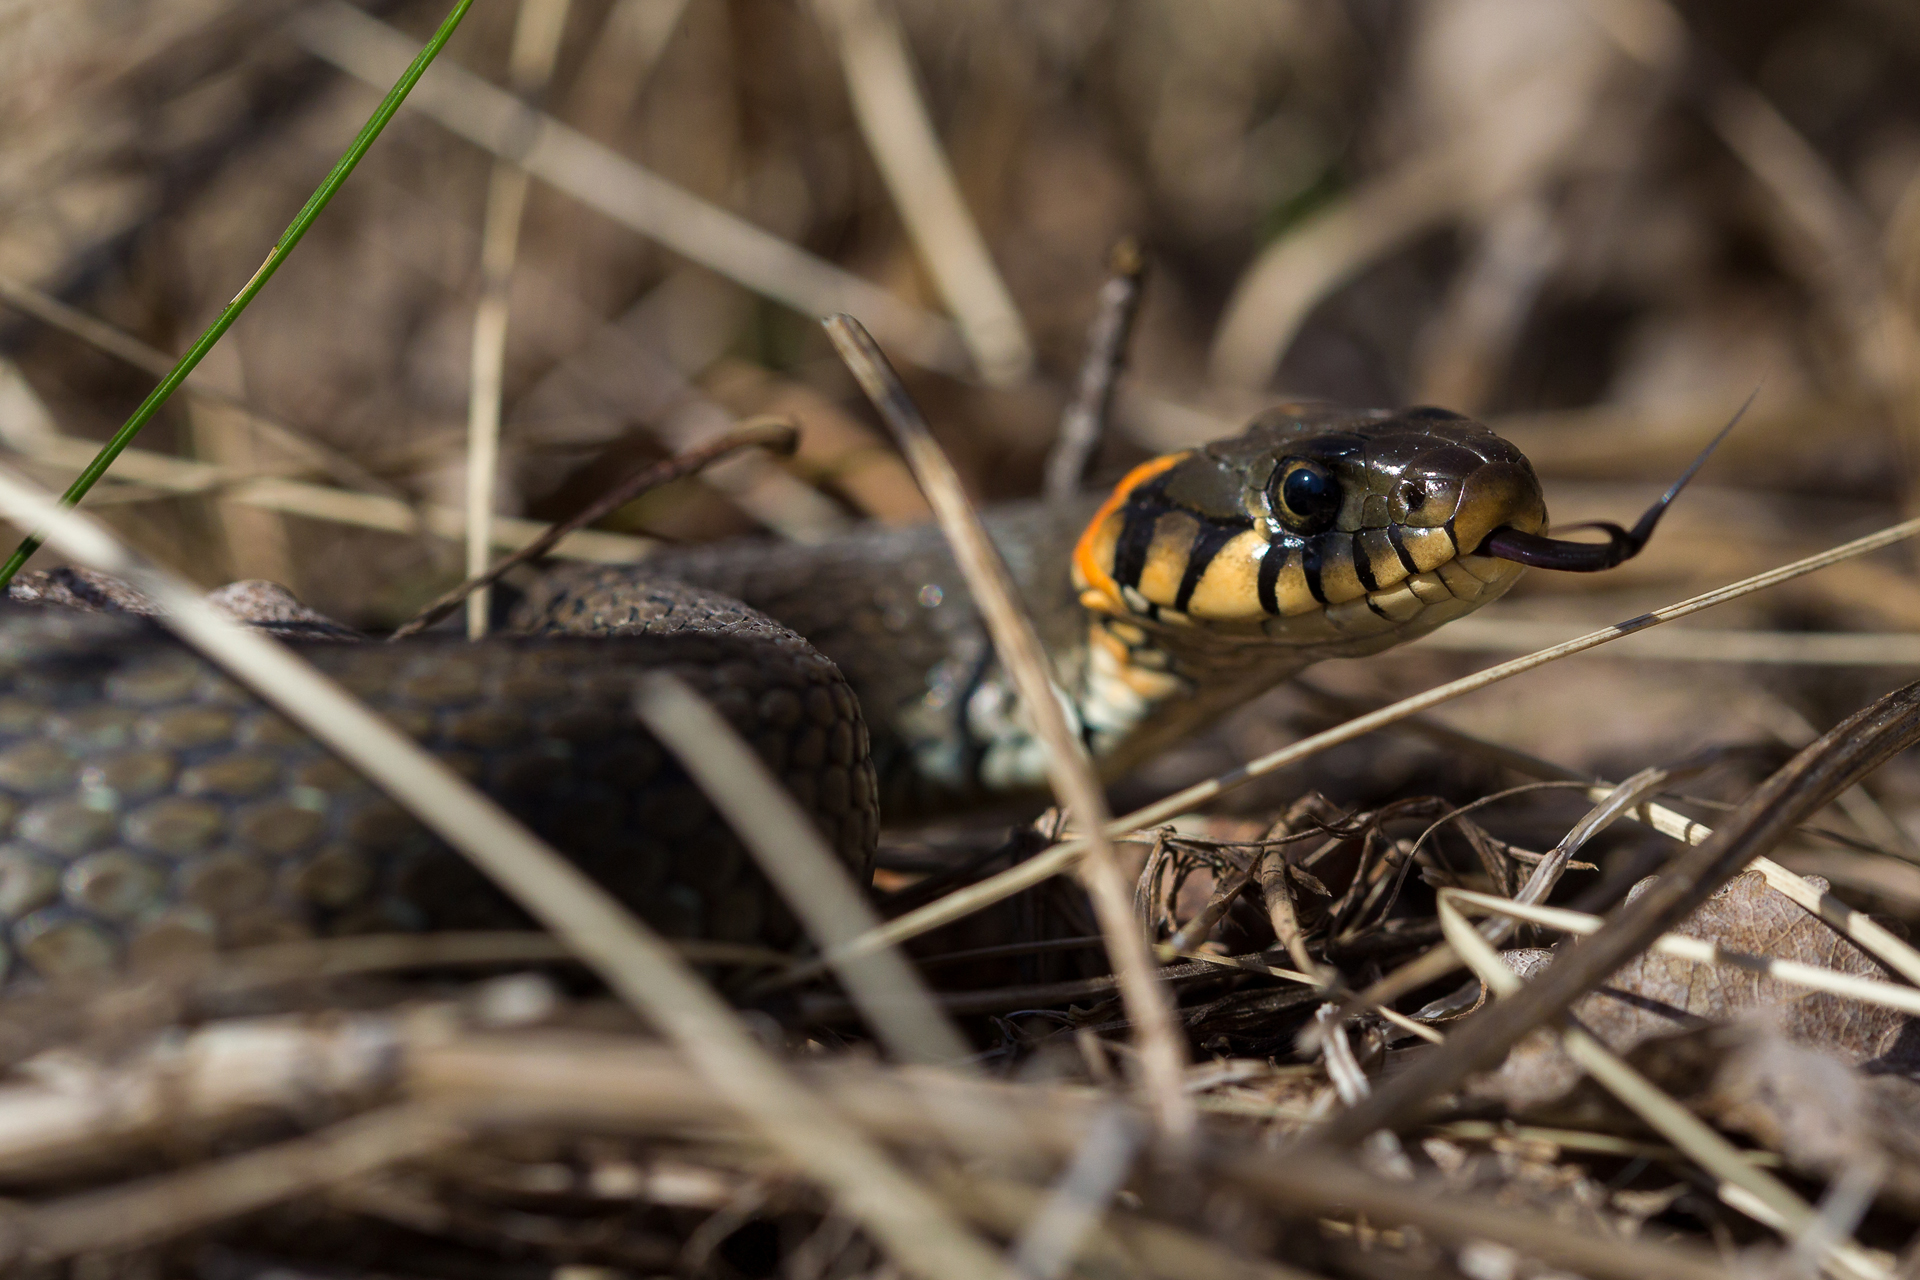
{"x": 1311, "y": 495}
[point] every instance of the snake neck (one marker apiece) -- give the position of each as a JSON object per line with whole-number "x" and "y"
{"x": 1128, "y": 692}
{"x": 1143, "y": 689}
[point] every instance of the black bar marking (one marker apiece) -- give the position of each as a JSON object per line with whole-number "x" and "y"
{"x": 1363, "y": 566}
{"x": 1137, "y": 523}
{"x": 1206, "y": 545}
{"x": 1270, "y": 575}
{"x": 1400, "y": 549}
{"x": 1310, "y": 563}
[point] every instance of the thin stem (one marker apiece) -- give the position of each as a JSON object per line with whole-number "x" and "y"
{"x": 536, "y": 44}
{"x": 295, "y": 232}
{"x": 1085, "y": 421}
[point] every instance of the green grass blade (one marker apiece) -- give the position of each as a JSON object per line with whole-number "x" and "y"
{"x": 295, "y": 231}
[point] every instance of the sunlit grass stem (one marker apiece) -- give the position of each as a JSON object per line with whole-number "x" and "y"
{"x": 295, "y": 232}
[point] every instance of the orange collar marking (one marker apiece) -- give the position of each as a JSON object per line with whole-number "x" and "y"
{"x": 1092, "y": 572}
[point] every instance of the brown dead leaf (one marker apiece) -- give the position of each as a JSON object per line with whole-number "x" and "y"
{"x": 1819, "y": 1113}
{"x": 1657, "y": 995}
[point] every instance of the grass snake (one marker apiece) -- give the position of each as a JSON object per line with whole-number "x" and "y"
{"x": 151, "y": 808}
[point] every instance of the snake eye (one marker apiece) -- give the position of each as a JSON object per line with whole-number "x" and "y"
{"x": 1306, "y": 496}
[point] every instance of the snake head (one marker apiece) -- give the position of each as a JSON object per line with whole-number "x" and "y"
{"x": 1348, "y": 531}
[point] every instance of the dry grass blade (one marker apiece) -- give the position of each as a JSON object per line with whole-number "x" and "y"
{"x": 1060, "y": 857}
{"x": 1162, "y": 1053}
{"x": 258, "y": 967}
{"x": 1611, "y": 804}
{"x": 1008, "y": 999}
{"x": 124, "y": 346}
{"x": 1085, "y": 420}
{"x": 536, "y": 43}
{"x": 1838, "y": 251}
{"x": 225, "y": 1073}
{"x": 777, "y": 434}
{"x": 1302, "y": 1184}
{"x": 619, "y": 66}
{"x": 406, "y": 77}
{"x": 1047, "y": 1246}
{"x": 1577, "y": 1140}
{"x": 169, "y": 1205}
{"x": 1124, "y": 1242}
{"x": 1252, "y": 964}
{"x": 1838, "y": 760}
{"x": 894, "y": 120}
{"x": 461, "y": 102}
{"x": 1675, "y": 1123}
{"x": 1198, "y": 930}
{"x": 1682, "y": 947}
{"x": 200, "y": 1082}
{"x": 338, "y": 506}
{"x": 1871, "y": 936}
{"x": 814, "y": 882}
{"x": 1786, "y": 648}
{"x": 1867, "y": 814}
{"x": 1608, "y": 809}
{"x": 1846, "y": 1202}
{"x": 634, "y": 1086}
{"x": 1293, "y": 274}
{"x": 915, "y": 1228}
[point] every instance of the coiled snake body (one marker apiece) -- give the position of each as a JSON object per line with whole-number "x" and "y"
{"x": 152, "y": 808}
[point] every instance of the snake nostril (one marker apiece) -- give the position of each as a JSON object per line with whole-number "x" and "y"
{"x": 1412, "y": 494}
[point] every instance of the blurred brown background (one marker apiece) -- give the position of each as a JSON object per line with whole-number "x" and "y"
{"x": 1597, "y": 225}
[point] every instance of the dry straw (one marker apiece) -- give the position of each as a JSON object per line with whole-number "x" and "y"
{"x": 780, "y": 435}
{"x": 536, "y": 43}
{"x": 169, "y": 476}
{"x": 124, "y": 346}
{"x": 1069, "y": 767}
{"x": 898, "y": 128}
{"x": 1680, "y": 947}
{"x": 600, "y": 178}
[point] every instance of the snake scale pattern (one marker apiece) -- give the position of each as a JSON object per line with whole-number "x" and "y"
{"x": 150, "y": 808}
